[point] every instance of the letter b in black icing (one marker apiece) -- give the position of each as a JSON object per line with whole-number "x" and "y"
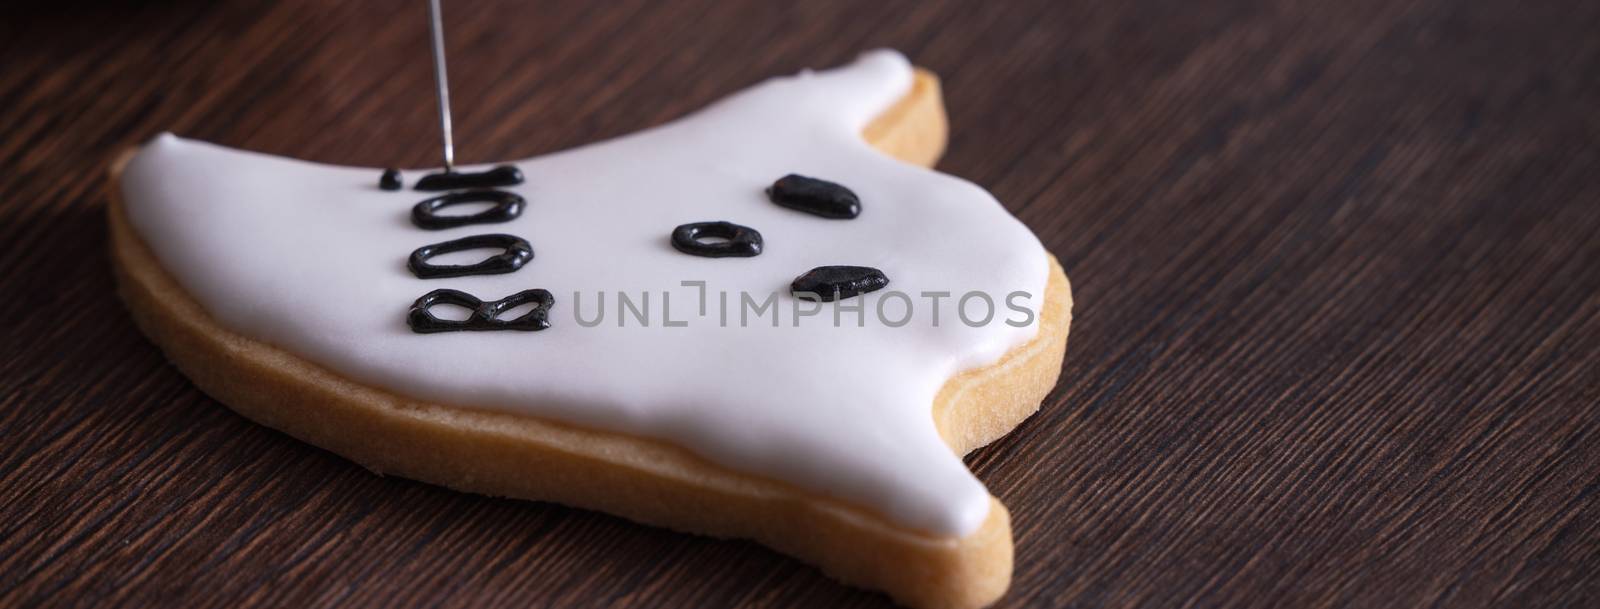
{"x": 485, "y": 315}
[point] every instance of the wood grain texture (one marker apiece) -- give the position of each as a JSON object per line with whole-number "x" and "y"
{"x": 1337, "y": 271}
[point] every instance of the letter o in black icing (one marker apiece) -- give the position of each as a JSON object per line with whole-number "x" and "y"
{"x": 507, "y": 206}
{"x": 516, "y": 253}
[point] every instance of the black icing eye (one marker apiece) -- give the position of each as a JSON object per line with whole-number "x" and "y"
{"x": 717, "y": 240}
{"x": 815, "y": 197}
{"x": 516, "y": 253}
{"x": 485, "y": 315}
{"x": 504, "y": 175}
{"x": 830, "y": 283}
{"x": 507, "y": 206}
{"x": 390, "y": 180}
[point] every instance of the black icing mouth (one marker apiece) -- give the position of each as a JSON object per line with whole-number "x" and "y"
{"x": 730, "y": 240}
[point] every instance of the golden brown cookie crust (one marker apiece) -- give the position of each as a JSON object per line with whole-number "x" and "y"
{"x": 642, "y": 479}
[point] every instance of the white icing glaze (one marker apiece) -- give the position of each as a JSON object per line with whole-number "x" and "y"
{"x": 311, "y": 258}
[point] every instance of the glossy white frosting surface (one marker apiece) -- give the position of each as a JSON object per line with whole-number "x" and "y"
{"x": 311, "y": 258}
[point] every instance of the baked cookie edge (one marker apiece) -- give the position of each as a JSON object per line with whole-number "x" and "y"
{"x": 641, "y": 479}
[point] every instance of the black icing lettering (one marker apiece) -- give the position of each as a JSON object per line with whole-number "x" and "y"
{"x": 830, "y": 283}
{"x": 517, "y": 252}
{"x": 815, "y": 197}
{"x": 390, "y": 180}
{"x": 507, "y": 206}
{"x": 485, "y": 315}
{"x": 717, "y": 240}
{"x": 504, "y": 175}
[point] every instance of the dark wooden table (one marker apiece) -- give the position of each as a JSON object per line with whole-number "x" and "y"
{"x": 1338, "y": 325}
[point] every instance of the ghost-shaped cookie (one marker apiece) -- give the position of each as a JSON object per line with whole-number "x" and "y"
{"x": 830, "y": 430}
